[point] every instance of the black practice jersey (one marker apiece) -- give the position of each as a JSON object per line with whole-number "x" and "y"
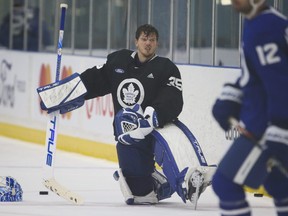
{"x": 155, "y": 83}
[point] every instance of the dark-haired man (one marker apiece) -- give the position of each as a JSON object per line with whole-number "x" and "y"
{"x": 147, "y": 94}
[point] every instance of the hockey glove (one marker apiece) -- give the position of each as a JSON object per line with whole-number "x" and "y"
{"x": 277, "y": 136}
{"x": 64, "y": 95}
{"x": 228, "y": 105}
{"x": 131, "y": 126}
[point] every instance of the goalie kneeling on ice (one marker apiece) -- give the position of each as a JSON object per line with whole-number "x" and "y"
{"x": 10, "y": 189}
{"x": 183, "y": 162}
{"x": 176, "y": 151}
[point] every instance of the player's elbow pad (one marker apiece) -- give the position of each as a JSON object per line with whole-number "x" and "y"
{"x": 64, "y": 95}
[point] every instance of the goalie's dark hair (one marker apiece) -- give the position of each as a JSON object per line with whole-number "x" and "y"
{"x": 147, "y": 29}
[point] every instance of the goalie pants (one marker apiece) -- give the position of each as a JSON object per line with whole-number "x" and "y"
{"x": 137, "y": 164}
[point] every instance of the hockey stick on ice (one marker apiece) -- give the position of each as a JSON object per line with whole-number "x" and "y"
{"x": 52, "y": 131}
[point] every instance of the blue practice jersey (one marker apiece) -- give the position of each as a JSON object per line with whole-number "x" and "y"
{"x": 265, "y": 69}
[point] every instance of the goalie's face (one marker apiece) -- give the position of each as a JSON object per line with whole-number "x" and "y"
{"x": 146, "y": 46}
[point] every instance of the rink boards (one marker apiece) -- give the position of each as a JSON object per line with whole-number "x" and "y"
{"x": 88, "y": 130}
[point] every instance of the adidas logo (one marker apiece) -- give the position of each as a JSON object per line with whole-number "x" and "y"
{"x": 150, "y": 76}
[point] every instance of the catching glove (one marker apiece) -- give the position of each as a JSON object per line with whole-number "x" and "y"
{"x": 228, "y": 105}
{"x": 64, "y": 95}
{"x": 132, "y": 125}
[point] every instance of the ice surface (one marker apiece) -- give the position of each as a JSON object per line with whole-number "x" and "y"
{"x": 92, "y": 179}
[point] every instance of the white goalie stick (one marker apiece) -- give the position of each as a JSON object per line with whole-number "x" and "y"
{"x": 52, "y": 131}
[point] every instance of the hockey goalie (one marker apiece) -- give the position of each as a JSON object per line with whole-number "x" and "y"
{"x": 141, "y": 80}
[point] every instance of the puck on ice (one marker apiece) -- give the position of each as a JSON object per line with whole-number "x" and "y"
{"x": 258, "y": 195}
{"x": 43, "y": 192}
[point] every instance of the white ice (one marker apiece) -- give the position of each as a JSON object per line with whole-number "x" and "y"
{"x": 92, "y": 179}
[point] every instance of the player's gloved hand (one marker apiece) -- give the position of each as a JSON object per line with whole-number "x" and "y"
{"x": 276, "y": 135}
{"x": 64, "y": 95}
{"x": 228, "y": 105}
{"x": 132, "y": 125}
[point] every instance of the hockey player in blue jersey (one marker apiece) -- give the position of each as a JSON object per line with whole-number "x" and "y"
{"x": 259, "y": 101}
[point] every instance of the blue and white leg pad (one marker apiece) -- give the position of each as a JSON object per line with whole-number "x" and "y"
{"x": 64, "y": 95}
{"x": 179, "y": 154}
{"x": 130, "y": 199}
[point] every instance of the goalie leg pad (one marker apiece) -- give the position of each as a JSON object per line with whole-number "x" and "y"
{"x": 165, "y": 159}
{"x": 136, "y": 160}
{"x": 10, "y": 190}
{"x": 130, "y": 199}
{"x": 179, "y": 154}
{"x": 137, "y": 164}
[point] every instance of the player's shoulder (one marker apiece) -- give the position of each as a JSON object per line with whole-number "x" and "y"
{"x": 266, "y": 26}
{"x": 164, "y": 61}
{"x": 122, "y": 53}
{"x": 120, "y": 57}
{"x": 272, "y": 18}
{"x": 275, "y": 13}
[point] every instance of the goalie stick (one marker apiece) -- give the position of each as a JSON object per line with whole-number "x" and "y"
{"x": 52, "y": 131}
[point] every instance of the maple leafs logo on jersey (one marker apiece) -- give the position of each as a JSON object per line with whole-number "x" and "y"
{"x": 130, "y": 92}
